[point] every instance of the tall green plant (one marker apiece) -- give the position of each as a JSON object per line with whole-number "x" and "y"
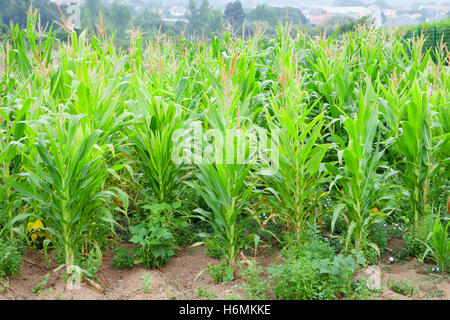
{"x": 294, "y": 186}
{"x": 155, "y": 123}
{"x": 12, "y": 141}
{"x": 226, "y": 191}
{"x": 65, "y": 181}
{"x": 361, "y": 180}
{"x": 419, "y": 151}
{"x": 438, "y": 245}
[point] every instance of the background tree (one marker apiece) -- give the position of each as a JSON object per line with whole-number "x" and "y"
{"x": 203, "y": 11}
{"x": 345, "y": 24}
{"x": 235, "y": 15}
{"x": 263, "y": 13}
{"x": 48, "y": 11}
{"x": 214, "y": 22}
{"x": 290, "y": 15}
{"x": 16, "y": 11}
{"x": 193, "y": 17}
{"x": 119, "y": 18}
{"x": 149, "y": 21}
{"x": 90, "y": 14}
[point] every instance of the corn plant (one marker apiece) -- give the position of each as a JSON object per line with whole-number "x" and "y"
{"x": 19, "y": 95}
{"x": 361, "y": 188}
{"x": 226, "y": 191}
{"x": 155, "y": 123}
{"x": 295, "y": 184}
{"x": 12, "y": 136}
{"x": 438, "y": 245}
{"x": 64, "y": 182}
{"x": 419, "y": 152}
{"x": 33, "y": 39}
{"x": 293, "y": 189}
{"x": 342, "y": 112}
{"x": 332, "y": 76}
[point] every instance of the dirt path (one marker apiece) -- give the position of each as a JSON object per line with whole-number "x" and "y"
{"x": 412, "y": 273}
{"x": 176, "y": 280}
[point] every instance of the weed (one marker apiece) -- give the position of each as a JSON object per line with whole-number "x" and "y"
{"x": 403, "y": 287}
{"x": 204, "y": 293}
{"x": 10, "y": 258}
{"x": 221, "y": 272}
{"x": 122, "y": 258}
{"x": 255, "y": 287}
{"x": 146, "y": 285}
{"x": 4, "y": 284}
{"x": 155, "y": 244}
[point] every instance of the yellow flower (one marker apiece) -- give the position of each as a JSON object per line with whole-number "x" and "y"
{"x": 32, "y": 227}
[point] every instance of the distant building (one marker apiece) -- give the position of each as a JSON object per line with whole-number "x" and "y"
{"x": 318, "y": 20}
{"x": 60, "y": 2}
{"x": 354, "y": 12}
{"x": 317, "y": 16}
{"x": 434, "y": 13}
{"x": 442, "y": 9}
{"x": 172, "y": 20}
{"x": 177, "y": 11}
{"x": 321, "y": 15}
{"x": 317, "y": 11}
{"x": 376, "y": 15}
{"x": 400, "y": 20}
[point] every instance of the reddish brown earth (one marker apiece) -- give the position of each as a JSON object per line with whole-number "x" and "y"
{"x": 427, "y": 286}
{"x": 177, "y": 280}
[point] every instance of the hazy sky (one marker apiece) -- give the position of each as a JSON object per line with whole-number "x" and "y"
{"x": 285, "y": 3}
{"x": 329, "y": 2}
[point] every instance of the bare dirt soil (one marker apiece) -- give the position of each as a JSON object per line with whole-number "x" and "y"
{"x": 414, "y": 275}
{"x": 177, "y": 280}
{"x": 425, "y": 285}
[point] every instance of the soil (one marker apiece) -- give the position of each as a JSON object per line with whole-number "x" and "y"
{"x": 426, "y": 285}
{"x": 177, "y": 280}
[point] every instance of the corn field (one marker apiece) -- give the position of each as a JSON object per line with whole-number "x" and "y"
{"x": 87, "y": 142}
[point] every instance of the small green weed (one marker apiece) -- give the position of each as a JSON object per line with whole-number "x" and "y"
{"x": 146, "y": 285}
{"x": 204, "y": 293}
{"x": 402, "y": 287}
{"x": 122, "y": 258}
{"x": 221, "y": 272}
{"x": 254, "y": 286}
{"x": 156, "y": 244}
